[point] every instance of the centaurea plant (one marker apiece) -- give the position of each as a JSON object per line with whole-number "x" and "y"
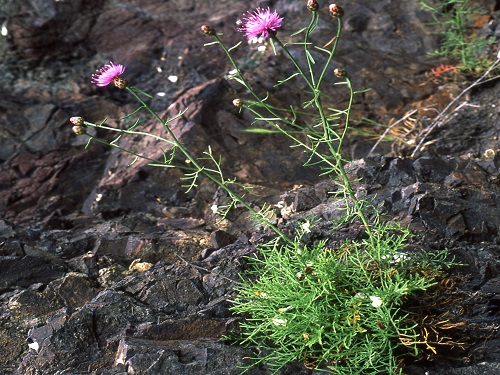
{"x": 334, "y": 307}
{"x": 337, "y": 310}
{"x": 193, "y": 170}
{"x": 265, "y": 23}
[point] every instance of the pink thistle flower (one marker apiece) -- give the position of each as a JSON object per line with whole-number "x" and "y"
{"x": 107, "y": 74}
{"x": 261, "y": 22}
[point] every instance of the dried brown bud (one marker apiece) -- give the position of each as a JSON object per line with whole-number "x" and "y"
{"x": 237, "y": 103}
{"x": 120, "y": 82}
{"x": 312, "y": 5}
{"x": 76, "y": 120}
{"x": 340, "y": 73}
{"x": 79, "y": 130}
{"x": 208, "y": 30}
{"x": 336, "y": 11}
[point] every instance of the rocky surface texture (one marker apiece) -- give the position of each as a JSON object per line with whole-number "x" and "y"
{"x": 109, "y": 269}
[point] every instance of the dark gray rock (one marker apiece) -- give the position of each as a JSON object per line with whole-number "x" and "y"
{"x": 25, "y": 271}
{"x": 75, "y": 221}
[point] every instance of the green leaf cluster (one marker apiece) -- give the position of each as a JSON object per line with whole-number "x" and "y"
{"x": 454, "y": 18}
{"x": 337, "y": 309}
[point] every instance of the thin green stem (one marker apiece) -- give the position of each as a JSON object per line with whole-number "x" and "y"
{"x": 126, "y": 131}
{"x": 310, "y": 29}
{"x": 297, "y": 66}
{"x": 206, "y": 173}
{"x": 338, "y": 166}
{"x": 235, "y": 66}
{"x": 332, "y": 52}
{"x": 113, "y": 145}
{"x": 165, "y": 126}
{"x": 347, "y": 113}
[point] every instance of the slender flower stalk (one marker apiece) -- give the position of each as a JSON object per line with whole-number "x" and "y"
{"x": 310, "y": 29}
{"x": 207, "y": 173}
{"x": 292, "y": 59}
{"x": 332, "y": 52}
{"x": 329, "y": 134}
{"x": 110, "y": 73}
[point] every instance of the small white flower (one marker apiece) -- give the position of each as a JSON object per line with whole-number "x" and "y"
{"x": 376, "y": 301}
{"x": 214, "y": 208}
{"x": 359, "y": 295}
{"x": 306, "y": 227}
{"x": 284, "y": 309}
{"x": 279, "y": 322}
{"x": 260, "y": 294}
{"x": 397, "y": 257}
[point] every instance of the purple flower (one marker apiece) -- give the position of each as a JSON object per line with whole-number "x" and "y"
{"x": 107, "y": 74}
{"x": 261, "y": 22}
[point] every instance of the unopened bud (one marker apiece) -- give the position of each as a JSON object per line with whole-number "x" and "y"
{"x": 312, "y": 5}
{"x": 237, "y": 103}
{"x": 340, "y": 73}
{"x": 76, "y": 120}
{"x": 336, "y": 11}
{"x": 120, "y": 82}
{"x": 79, "y": 130}
{"x": 208, "y": 30}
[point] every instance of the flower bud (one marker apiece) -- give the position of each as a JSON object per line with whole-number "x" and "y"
{"x": 76, "y": 120}
{"x": 120, "y": 82}
{"x": 237, "y": 103}
{"x": 340, "y": 73}
{"x": 79, "y": 130}
{"x": 312, "y": 5}
{"x": 336, "y": 11}
{"x": 208, "y": 30}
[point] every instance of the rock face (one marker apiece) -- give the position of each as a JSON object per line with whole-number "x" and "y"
{"x": 111, "y": 269}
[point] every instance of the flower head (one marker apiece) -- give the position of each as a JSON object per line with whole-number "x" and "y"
{"x": 335, "y": 11}
{"x": 79, "y": 130}
{"x": 79, "y": 125}
{"x": 312, "y": 5}
{"x": 340, "y": 73}
{"x": 107, "y": 74}
{"x": 306, "y": 227}
{"x": 279, "y": 322}
{"x": 376, "y": 301}
{"x": 76, "y": 120}
{"x": 261, "y": 22}
{"x": 207, "y": 30}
